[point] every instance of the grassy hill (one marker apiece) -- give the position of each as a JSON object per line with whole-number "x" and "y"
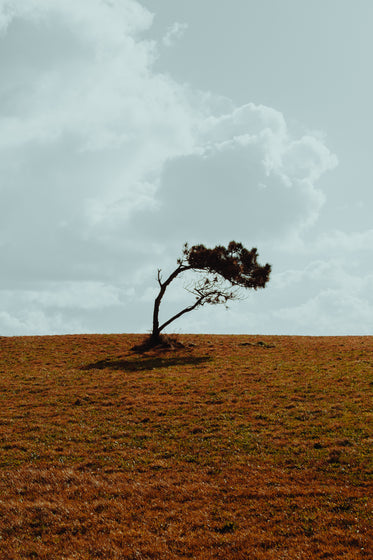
{"x": 232, "y": 447}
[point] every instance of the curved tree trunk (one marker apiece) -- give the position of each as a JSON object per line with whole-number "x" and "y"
{"x": 156, "y": 330}
{"x": 155, "y": 336}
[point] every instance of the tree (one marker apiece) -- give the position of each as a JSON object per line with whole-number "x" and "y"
{"x": 222, "y": 274}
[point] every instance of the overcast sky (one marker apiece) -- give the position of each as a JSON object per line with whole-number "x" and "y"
{"x": 129, "y": 127}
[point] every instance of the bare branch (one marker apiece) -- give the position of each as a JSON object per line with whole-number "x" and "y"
{"x": 186, "y": 310}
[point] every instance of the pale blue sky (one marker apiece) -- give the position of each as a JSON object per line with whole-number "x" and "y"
{"x": 129, "y": 127}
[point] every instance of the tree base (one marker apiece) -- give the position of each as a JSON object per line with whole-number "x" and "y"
{"x": 160, "y": 341}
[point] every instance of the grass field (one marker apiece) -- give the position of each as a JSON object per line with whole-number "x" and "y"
{"x": 233, "y": 447}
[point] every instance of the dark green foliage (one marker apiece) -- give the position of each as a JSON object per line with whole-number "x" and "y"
{"x": 234, "y": 263}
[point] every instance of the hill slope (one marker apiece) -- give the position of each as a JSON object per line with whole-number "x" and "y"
{"x": 231, "y": 447}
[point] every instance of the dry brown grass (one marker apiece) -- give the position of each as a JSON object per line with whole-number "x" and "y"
{"x": 232, "y": 447}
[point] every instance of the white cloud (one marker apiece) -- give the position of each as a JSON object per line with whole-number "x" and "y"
{"x": 247, "y": 178}
{"x": 81, "y": 295}
{"x": 56, "y": 307}
{"x": 174, "y": 33}
{"x": 307, "y": 159}
{"x": 330, "y": 312}
{"x": 337, "y": 241}
{"x": 325, "y": 297}
{"x": 36, "y": 322}
{"x": 110, "y": 20}
{"x": 85, "y": 126}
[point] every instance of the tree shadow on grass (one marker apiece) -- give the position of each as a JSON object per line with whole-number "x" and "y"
{"x": 146, "y": 364}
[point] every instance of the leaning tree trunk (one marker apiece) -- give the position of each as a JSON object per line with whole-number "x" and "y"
{"x": 155, "y": 336}
{"x": 156, "y": 333}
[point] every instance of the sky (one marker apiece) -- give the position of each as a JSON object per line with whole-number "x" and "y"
{"x": 128, "y": 128}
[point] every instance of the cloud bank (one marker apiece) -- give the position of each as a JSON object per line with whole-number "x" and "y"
{"x": 108, "y": 167}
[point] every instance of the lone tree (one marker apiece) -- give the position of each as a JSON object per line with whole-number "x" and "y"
{"x": 222, "y": 273}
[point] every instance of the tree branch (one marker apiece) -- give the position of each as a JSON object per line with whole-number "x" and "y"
{"x": 186, "y": 310}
